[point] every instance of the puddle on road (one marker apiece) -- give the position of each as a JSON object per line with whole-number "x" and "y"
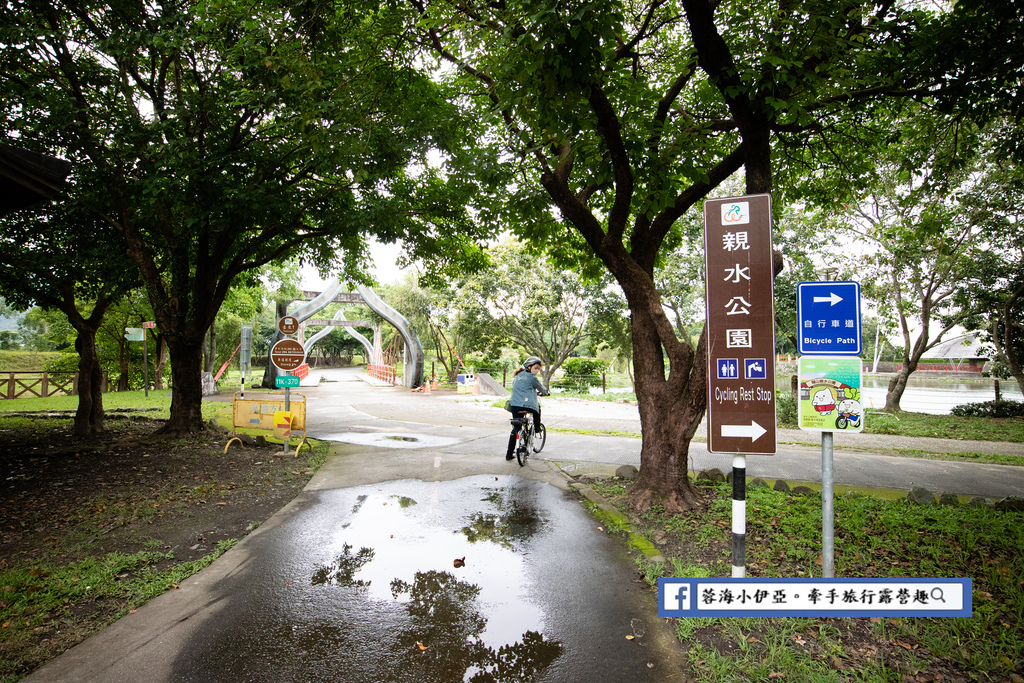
{"x": 459, "y": 580}
{"x": 401, "y": 581}
{"x": 391, "y": 439}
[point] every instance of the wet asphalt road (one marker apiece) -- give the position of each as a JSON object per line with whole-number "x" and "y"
{"x": 360, "y": 585}
{"x": 355, "y": 579}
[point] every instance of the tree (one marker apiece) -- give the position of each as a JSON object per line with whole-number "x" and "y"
{"x": 539, "y": 307}
{"x": 224, "y": 136}
{"x": 62, "y": 258}
{"x": 623, "y": 116}
{"x": 998, "y": 195}
{"x": 926, "y": 244}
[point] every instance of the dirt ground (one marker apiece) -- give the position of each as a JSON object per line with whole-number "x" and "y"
{"x": 65, "y": 499}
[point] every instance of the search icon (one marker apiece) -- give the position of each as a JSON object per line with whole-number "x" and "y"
{"x": 940, "y": 595}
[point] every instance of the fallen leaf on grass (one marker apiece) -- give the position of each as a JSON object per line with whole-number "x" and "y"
{"x": 630, "y": 637}
{"x": 776, "y": 674}
{"x": 221, "y": 503}
{"x": 752, "y": 639}
{"x": 131, "y": 611}
{"x": 174, "y": 585}
{"x": 421, "y": 646}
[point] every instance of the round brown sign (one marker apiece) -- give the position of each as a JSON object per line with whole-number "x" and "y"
{"x": 287, "y": 354}
{"x": 288, "y": 324}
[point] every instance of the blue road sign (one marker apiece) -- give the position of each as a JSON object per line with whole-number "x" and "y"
{"x": 829, "y": 317}
{"x": 728, "y": 368}
{"x": 755, "y": 368}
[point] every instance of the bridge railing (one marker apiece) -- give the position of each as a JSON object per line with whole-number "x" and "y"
{"x": 384, "y": 373}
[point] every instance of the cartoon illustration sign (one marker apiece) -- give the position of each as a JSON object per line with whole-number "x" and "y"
{"x": 830, "y": 394}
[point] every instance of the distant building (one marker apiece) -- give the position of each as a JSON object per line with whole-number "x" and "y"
{"x": 964, "y": 353}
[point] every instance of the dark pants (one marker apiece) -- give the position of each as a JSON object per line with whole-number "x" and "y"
{"x": 517, "y": 413}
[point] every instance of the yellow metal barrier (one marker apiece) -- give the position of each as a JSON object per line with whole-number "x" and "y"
{"x": 258, "y": 411}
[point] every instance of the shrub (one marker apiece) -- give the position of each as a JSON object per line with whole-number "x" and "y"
{"x": 785, "y": 410}
{"x": 1000, "y": 408}
{"x": 582, "y": 373}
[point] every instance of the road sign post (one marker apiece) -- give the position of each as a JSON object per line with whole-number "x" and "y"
{"x": 740, "y": 324}
{"x": 287, "y": 355}
{"x": 828, "y": 316}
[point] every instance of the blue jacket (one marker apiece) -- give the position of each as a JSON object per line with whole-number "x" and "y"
{"x": 524, "y": 391}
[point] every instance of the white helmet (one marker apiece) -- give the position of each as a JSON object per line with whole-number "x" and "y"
{"x": 531, "y": 361}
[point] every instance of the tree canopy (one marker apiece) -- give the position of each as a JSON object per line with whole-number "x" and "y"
{"x": 621, "y": 117}
{"x": 221, "y": 136}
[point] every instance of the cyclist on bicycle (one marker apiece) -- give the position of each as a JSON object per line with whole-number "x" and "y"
{"x": 525, "y": 388}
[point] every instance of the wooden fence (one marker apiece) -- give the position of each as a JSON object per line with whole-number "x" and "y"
{"x": 40, "y": 384}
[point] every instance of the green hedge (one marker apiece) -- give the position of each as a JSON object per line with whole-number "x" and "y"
{"x": 1000, "y": 408}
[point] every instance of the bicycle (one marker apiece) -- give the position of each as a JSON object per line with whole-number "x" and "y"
{"x": 527, "y": 439}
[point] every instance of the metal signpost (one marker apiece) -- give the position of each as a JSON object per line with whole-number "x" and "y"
{"x": 287, "y": 355}
{"x": 245, "y": 359}
{"x": 149, "y": 325}
{"x": 741, "y": 341}
{"x": 139, "y": 334}
{"x": 828, "y": 315}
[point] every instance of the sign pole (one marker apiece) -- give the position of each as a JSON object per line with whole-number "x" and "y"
{"x": 145, "y": 363}
{"x": 287, "y": 407}
{"x": 738, "y": 258}
{"x": 739, "y": 516}
{"x": 828, "y": 535}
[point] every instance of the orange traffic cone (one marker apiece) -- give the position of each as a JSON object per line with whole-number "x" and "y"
{"x": 476, "y": 387}
{"x": 425, "y": 388}
{"x": 435, "y": 384}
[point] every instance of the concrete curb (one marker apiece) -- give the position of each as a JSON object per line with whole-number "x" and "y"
{"x": 607, "y": 512}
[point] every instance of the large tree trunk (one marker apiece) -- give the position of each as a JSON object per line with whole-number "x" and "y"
{"x": 187, "y": 396}
{"x": 897, "y": 385}
{"x": 89, "y": 415}
{"x": 668, "y": 419}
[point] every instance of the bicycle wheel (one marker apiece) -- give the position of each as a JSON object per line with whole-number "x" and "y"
{"x": 523, "y": 447}
{"x": 539, "y": 438}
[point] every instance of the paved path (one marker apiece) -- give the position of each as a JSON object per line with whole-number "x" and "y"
{"x": 255, "y": 614}
{"x": 860, "y": 460}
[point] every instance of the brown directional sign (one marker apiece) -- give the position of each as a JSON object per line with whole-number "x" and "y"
{"x": 740, "y": 324}
{"x": 287, "y": 354}
{"x": 288, "y": 324}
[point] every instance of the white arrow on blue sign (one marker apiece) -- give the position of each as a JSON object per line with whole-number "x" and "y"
{"x": 829, "y": 317}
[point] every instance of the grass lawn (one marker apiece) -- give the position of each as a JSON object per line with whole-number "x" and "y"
{"x": 95, "y": 526}
{"x": 874, "y": 538}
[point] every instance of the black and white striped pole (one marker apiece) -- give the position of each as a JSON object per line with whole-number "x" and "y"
{"x": 739, "y": 516}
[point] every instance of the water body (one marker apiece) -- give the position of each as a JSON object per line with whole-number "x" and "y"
{"x": 937, "y": 395}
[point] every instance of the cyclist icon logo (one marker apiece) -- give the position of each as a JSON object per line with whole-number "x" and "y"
{"x": 736, "y": 213}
